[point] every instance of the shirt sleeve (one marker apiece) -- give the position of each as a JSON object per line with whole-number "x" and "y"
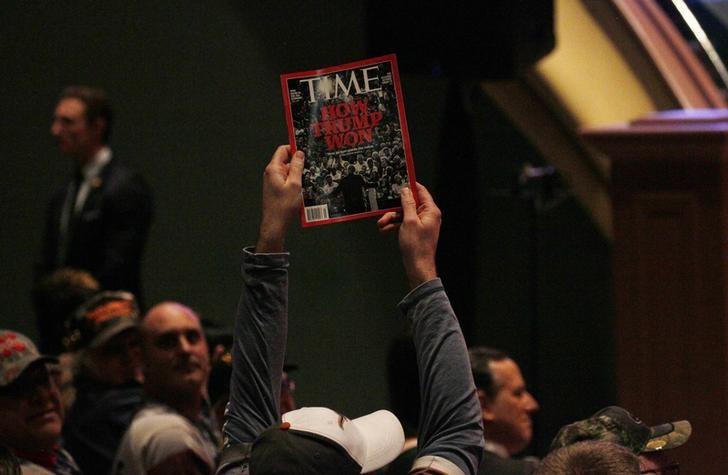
{"x": 450, "y": 416}
{"x": 258, "y": 348}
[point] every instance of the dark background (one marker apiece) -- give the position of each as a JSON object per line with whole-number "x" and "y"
{"x": 198, "y": 110}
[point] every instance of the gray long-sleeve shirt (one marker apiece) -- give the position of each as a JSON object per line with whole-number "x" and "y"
{"x": 450, "y": 415}
{"x": 451, "y": 437}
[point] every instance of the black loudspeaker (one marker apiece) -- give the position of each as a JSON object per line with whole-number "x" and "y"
{"x": 490, "y": 39}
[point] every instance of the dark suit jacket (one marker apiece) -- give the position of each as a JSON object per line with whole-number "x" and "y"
{"x": 352, "y": 186}
{"x": 108, "y": 235}
{"x": 493, "y": 464}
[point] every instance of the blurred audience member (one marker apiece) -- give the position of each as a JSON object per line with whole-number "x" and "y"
{"x": 99, "y": 220}
{"x": 507, "y": 408}
{"x": 105, "y": 334}
{"x": 9, "y": 463}
{"x": 174, "y": 431}
{"x": 219, "y": 341}
{"x": 218, "y": 387}
{"x": 31, "y": 414}
{"x": 615, "y": 424}
{"x": 288, "y": 387}
{"x": 592, "y": 457}
{"x": 56, "y": 297}
{"x": 219, "y": 384}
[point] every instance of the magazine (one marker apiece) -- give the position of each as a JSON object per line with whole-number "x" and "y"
{"x": 349, "y": 120}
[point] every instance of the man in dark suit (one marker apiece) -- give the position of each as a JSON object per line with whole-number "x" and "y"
{"x": 352, "y": 187}
{"x": 99, "y": 220}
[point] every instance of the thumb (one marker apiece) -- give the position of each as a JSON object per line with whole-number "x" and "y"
{"x": 409, "y": 207}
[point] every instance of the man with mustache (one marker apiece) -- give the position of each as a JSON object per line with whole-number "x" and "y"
{"x": 173, "y": 432}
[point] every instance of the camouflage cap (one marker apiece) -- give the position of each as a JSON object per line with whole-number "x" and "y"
{"x": 100, "y": 318}
{"x": 17, "y": 353}
{"x": 617, "y": 425}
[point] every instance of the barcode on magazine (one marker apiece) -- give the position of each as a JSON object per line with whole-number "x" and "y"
{"x": 317, "y": 213}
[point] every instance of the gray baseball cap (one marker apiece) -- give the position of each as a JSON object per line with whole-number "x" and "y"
{"x": 17, "y": 353}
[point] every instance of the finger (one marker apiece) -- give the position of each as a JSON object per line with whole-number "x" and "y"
{"x": 389, "y": 222}
{"x": 281, "y": 155}
{"x": 409, "y": 207}
{"x": 424, "y": 195}
{"x": 296, "y": 170}
{"x": 389, "y": 228}
{"x": 389, "y": 217}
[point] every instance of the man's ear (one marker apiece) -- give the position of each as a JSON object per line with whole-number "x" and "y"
{"x": 486, "y": 404}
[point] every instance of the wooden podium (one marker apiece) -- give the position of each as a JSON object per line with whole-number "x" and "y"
{"x": 670, "y": 201}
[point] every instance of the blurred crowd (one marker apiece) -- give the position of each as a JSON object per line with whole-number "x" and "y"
{"x": 115, "y": 387}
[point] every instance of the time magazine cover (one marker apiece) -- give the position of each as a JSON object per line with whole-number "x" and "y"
{"x": 349, "y": 120}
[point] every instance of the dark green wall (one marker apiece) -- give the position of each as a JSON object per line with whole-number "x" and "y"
{"x": 197, "y": 99}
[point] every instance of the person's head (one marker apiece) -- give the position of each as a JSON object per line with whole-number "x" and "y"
{"x": 506, "y": 404}
{"x": 106, "y": 333}
{"x": 81, "y": 122}
{"x": 175, "y": 358}
{"x": 617, "y": 425}
{"x": 31, "y": 415}
{"x": 658, "y": 463}
{"x": 590, "y": 457}
{"x": 287, "y": 401}
{"x": 218, "y": 385}
{"x": 56, "y": 297}
{"x": 317, "y": 440}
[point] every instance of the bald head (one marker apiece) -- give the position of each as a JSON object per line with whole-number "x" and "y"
{"x": 163, "y": 312}
{"x": 175, "y": 353}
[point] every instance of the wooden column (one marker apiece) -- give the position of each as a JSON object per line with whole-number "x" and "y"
{"x": 670, "y": 202}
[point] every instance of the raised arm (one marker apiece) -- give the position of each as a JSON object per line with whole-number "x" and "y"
{"x": 451, "y": 434}
{"x": 261, "y": 321}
